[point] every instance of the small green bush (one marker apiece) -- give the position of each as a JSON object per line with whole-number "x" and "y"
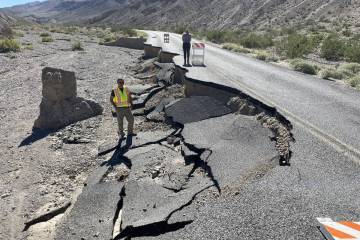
{"x": 355, "y": 82}
{"x": 261, "y": 56}
{"x": 141, "y": 34}
{"x": 124, "y": 30}
{"x": 304, "y": 67}
{"x": 253, "y": 40}
{"x": 28, "y": 46}
{"x": 333, "y": 48}
{"x": 236, "y": 48}
{"x": 315, "y": 40}
{"x": 129, "y": 32}
{"x": 109, "y": 38}
{"x": 272, "y": 58}
{"x": 347, "y": 32}
{"x": 69, "y": 29}
{"x": 349, "y": 69}
{"x": 47, "y": 39}
{"x": 100, "y": 34}
{"x": 19, "y": 34}
{"x": 44, "y": 34}
{"x": 295, "y": 46}
{"x": 352, "y": 52}
{"x": 287, "y": 31}
{"x": 179, "y": 29}
{"x": 331, "y": 73}
{"x": 215, "y": 36}
{"x": 9, "y": 45}
{"x": 229, "y": 46}
{"x": 77, "y": 47}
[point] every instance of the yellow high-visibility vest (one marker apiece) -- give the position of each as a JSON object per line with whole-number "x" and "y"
{"x": 123, "y": 96}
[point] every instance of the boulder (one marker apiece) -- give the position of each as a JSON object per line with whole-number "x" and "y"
{"x": 58, "y": 85}
{"x": 60, "y": 105}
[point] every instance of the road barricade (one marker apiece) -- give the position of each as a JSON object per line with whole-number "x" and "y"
{"x": 198, "y": 54}
{"x": 166, "y": 38}
{"x": 339, "y": 230}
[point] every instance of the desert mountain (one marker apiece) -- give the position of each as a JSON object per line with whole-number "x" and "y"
{"x": 5, "y": 21}
{"x": 197, "y": 13}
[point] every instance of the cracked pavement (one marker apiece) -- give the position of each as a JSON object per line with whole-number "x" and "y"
{"x": 327, "y": 107}
{"x": 161, "y": 178}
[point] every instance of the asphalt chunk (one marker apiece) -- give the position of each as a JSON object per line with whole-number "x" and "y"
{"x": 93, "y": 214}
{"x": 146, "y": 202}
{"x": 166, "y": 166}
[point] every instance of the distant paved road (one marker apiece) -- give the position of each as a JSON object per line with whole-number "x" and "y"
{"x": 328, "y": 109}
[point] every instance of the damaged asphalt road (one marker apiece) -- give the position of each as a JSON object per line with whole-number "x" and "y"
{"x": 238, "y": 145}
{"x": 202, "y": 168}
{"x": 153, "y": 184}
{"x": 159, "y": 178}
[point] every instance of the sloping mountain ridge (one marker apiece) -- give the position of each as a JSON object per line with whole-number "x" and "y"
{"x": 197, "y": 13}
{"x": 5, "y": 21}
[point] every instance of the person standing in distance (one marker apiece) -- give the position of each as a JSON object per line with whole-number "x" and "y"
{"x": 186, "y": 37}
{"x": 121, "y": 99}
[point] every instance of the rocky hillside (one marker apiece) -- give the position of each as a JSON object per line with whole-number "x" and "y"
{"x": 5, "y": 20}
{"x": 209, "y": 13}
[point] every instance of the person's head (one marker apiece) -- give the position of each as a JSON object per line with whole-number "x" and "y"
{"x": 187, "y": 32}
{"x": 121, "y": 82}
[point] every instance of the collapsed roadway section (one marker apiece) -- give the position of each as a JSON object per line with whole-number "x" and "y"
{"x": 202, "y": 146}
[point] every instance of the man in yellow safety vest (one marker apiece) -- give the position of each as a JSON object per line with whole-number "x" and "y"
{"x": 122, "y": 101}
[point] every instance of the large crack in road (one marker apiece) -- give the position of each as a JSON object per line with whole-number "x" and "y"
{"x": 150, "y": 182}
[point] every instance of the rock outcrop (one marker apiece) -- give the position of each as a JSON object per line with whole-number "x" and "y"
{"x": 60, "y": 105}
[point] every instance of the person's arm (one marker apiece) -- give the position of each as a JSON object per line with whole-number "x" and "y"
{"x": 112, "y": 98}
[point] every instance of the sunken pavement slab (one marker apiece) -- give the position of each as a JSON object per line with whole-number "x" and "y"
{"x": 166, "y": 166}
{"x": 92, "y": 216}
{"x": 196, "y": 108}
{"x": 235, "y": 146}
{"x": 231, "y": 145}
{"x": 147, "y": 204}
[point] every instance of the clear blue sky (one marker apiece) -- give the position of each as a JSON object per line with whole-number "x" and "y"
{"x": 9, "y": 3}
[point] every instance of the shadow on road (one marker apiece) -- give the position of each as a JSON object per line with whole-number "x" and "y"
{"x": 118, "y": 156}
{"x": 151, "y": 230}
{"x": 36, "y": 135}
